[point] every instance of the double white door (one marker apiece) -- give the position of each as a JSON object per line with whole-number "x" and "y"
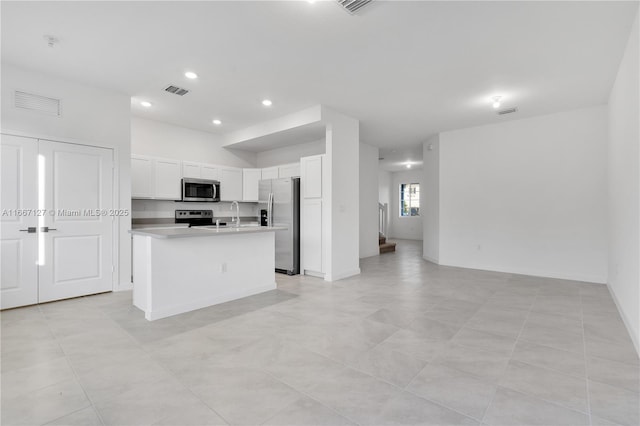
{"x": 56, "y": 222}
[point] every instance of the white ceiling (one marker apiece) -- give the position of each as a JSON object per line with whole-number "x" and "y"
{"x": 405, "y": 69}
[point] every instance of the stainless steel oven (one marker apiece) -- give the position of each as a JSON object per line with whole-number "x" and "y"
{"x": 200, "y": 190}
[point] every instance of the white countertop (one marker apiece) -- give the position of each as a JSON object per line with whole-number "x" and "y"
{"x": 201, "y": 231}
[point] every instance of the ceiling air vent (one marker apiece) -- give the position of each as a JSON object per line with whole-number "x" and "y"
{"x": 352, "y": 6}
{"x": 50, "y": 106}
{"x": 176, "y": 90}
{"x": 507, "y": 111}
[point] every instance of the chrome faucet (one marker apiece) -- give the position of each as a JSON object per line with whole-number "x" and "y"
{"x": 237, "y": 213}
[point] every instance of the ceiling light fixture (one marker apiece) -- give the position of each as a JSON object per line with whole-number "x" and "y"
{"x": 267, "y": 102}
{"x": 190, "y": 74}
{"x": 408, "y": 166}
{"x": 496, "y": 101}
{"x": 145, "y": 104}
{"x": 217, "y": 122}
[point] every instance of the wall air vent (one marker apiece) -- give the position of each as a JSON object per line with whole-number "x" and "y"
{"x": 352, "y": 6}
{"x": 43, "y": 104}
{"x": 176, "y": 90}
{"x": 507, "y": 111}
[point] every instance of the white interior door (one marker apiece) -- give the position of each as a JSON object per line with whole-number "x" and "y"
{"x": 77, "y": 233}
{"x": 18, "y": 246}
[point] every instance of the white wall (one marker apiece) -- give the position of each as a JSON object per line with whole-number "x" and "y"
{"x": 408, "y": 228}
{"x": 160, "y": 139}
{"x": 624, "y": 188}
{"x": 527, "y": 196}
{"x": 368, "y": 201}
{"x": 384, "y": 193}
{"x": 289, "y": 154}
{"x": 430, "y": 193}
{"x": 90, "y": 116}
{"x": 343, "y": 221}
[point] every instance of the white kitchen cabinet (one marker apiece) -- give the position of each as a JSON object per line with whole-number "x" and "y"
{"x": 231, "y": 184}
{"x": 289, "y": 170}
{"x": 155, "y": 178}
{"x": 312, "y": 236}
{"x": 167, "y": 178}
{"x": 311, "y": 168}
{"x": 210, "y": 172}
{"x": 141, "y": 177}
{"x": 313, "y": 231}
{"x": 191, "y": 170}
{"x": 270, "y": 173}
{"x": 250, "y": 179}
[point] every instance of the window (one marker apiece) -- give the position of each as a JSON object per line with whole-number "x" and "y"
{"x": 409, "y": 199}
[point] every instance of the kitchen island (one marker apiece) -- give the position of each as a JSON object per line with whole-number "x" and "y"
{"x": 178, "y": 269}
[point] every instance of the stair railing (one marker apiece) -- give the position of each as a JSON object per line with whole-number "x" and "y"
{"x": 382, "y": 219}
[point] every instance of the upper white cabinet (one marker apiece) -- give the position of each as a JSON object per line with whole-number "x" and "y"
{"x": 159, "y": 178}
{"x": 231, "y": 184}
{"x": 191, "y": 169}
{"x": 142, "y": 185}
{"x": 167, "y": 178}
{"x": 289, "y": 170}
{"x": 270, "y": 173}
{"x": 155, "y": 178}
{"x": 311, "y": 168}
{"x": 250, "y": 179}
{"x": 210, "y": 172}
{"x": 313, "y": 231}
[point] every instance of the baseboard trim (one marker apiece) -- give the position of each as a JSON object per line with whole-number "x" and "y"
{"x": 314, "y": 274}
{"x": 431, "y": 259}
{"x": 634, "y": 337}
{"x": 543, "y": 274}
{"x": 123, "y": 287}
{"x": 336, "y": 277}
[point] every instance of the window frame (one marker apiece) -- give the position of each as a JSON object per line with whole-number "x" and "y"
{"x": 401, "y": 201}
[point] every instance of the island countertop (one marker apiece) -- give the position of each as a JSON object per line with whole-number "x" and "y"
{"x": 201, "y": 231}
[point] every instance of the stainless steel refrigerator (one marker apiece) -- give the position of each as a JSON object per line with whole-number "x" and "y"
{"x": 279, "y": 204}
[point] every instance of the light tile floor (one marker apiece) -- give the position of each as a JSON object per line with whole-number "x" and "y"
{"x": 406, "y": 342}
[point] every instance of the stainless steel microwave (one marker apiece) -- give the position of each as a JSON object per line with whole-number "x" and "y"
{"x": 202, "y": 190}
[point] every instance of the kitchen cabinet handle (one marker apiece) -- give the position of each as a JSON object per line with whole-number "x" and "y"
{"x": 47, "y": 229}
{"x": 31, "y": 230}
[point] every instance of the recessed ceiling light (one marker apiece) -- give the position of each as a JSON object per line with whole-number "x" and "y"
{"x": 311, "y": 1}
{"x": 267, "y": 102}
{"x": 190, "y": 74}
{"x": 145, "y": 104}
{"x": 408, "y": 166}
{"x": 217, "y": 122}
{"x": 496, "y": 101}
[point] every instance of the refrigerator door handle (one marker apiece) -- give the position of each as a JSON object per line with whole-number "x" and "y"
{"x": 270, "y": 210}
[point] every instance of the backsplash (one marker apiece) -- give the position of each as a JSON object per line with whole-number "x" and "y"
{"x": 144, "y": 209}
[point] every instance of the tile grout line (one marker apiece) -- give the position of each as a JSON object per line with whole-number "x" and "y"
{"x": 586, "y": 364}
{"x": 344, "y": 365}
{"x": 304, "y": 392}
{"x": 524, "y": 324}
{"x": 75, "y": 373}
